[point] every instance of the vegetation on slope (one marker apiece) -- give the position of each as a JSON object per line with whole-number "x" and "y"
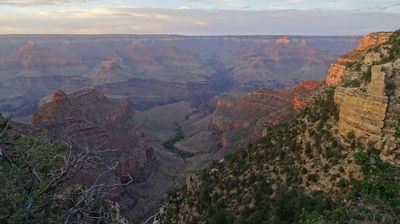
{"x": 301, "y": 172}
{"x": 388, "y": 52}
{"x": 35, "y": 187}
{"x": 170, "y": 143}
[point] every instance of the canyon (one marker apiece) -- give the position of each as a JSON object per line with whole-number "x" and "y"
{"x": 156, "y": 70}
{"x": 339, "y": 152}
{"x": 131, "y": 93}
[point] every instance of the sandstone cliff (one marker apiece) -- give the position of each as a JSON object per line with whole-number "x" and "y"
{"x": 368, "y": 97}
{"x": 338, "y": 69}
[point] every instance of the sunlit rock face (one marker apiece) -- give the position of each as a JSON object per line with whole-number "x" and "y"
{"x": 361, "y": 113}
{"x": 335, "y": 74}
{"x": 373, "y": 39}
{"x": 338, "y": 69}
{"x": 283, "y": 40}
{"x": 370, "y": 112}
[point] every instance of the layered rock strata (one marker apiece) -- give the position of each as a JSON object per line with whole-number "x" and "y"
{"x": 338, "y": 68}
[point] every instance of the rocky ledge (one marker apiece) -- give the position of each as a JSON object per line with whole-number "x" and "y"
{"x": 339, "y": 67}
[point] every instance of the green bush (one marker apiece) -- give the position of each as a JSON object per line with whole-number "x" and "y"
{"x": 313, "y": 177}
{"x": 366, "y": 76}
{"x": 353, "y": 83}
{"x": 170, "y": 143}
{"x": 397, "y": 133}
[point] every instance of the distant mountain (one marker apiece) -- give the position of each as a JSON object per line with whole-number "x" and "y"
{"x": 284, "y": 64}
{"x": 34, "y": 58}
{"x": 109, "y": 71}
{"x": 172, "y": 68}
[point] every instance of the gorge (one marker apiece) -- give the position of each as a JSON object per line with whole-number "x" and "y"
{"x": 164, "y": 108}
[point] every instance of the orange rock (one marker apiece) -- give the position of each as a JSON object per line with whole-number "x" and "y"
{"x": 283, "y": 40}
{"x": 298, "y": 104}
{"x": 344, "y": 60}
{"x": 308, "y": 85}
{"x": 337, "y": 69}
{"x": 373, "y": 39}
{"x": 335, "y": 74}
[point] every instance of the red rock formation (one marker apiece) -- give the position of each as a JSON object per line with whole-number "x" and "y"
{"x": 283, "y": 40}
{"x": 58, "y": 96}
{"x": 335, "y": 74}
{"x": 301, "y": 99}
{"x": 298, "y": 104}
{"x": 309, "y": 85}
{"x": 89, "y": 119}
{"x": 261, "y": 109}
{"x": 372, "y": 40}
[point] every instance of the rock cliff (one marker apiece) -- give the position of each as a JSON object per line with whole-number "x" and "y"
{"x": 368, "y": 98}
{"x": 90, "y": 120}
{"x": 330, "y": 152}
{"x": 361, "y": 113}
{"x": 338, "y": 68}
{"x": 237, "y": 120}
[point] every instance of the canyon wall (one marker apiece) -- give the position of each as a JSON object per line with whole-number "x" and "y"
{"x": 338, "y": 68}
{"x": 368, "y": 94}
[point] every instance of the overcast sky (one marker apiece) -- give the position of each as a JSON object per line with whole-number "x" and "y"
{"x": 199, "y": 17}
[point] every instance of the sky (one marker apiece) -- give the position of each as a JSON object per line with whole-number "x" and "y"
{"x": 199, "y": 17}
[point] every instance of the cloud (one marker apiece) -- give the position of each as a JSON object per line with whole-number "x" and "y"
{"x": 105, "y": 20}
{"x": 38, "y": 2}
{"x": 295, "y": 1}
{"x": 228, "y": 3}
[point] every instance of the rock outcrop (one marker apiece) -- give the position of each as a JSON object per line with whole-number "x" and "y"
{"x": 338, "y": 69}
{"x": 368, "y": 98}
{"x": 335, "y": 74}
{"x": 361, "y": 113}
{"x": 109, "y": 71}
{"x": 283, "y": 40}
{"x": 239, "y": 119}
{"x": 373, "y": 39}
{"x": 224, "y": 103}
{"x": 88, "y": 119}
